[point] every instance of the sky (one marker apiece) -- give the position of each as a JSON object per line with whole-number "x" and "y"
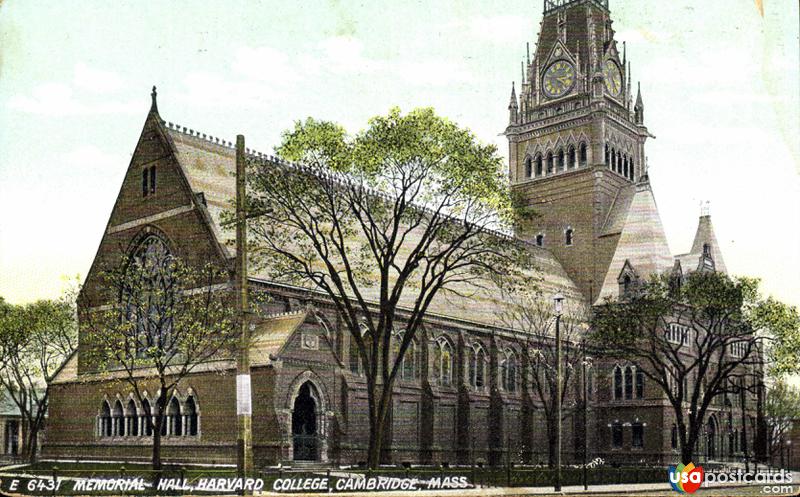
{"x": 720, "y": 86}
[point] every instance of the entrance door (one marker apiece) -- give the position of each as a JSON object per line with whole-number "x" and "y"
{"x": 12, "y": 437}
{"x": 304, "y": 425}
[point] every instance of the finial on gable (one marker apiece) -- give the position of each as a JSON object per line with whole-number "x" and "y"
{"x": 705, "y": 208}
{"x": 154, "y": 105}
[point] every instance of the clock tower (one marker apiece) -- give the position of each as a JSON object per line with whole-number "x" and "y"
{"x": 576, "y": 140}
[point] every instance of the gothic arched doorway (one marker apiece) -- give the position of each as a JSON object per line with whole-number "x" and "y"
{"x": 712, "y": 439}
{"x": 304, "y": 424}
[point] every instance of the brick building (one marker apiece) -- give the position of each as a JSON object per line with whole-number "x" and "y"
{"x": 576, "y": 150}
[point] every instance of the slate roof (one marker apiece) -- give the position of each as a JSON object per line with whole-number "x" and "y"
{"x": 618, "y": 213}
{"x": 272, "y": 334}
{"x": 642, "y": 242}
{"x": 210, "y": 169}
{"x": 7, "y": 405}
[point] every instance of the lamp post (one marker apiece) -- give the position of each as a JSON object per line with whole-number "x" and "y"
{"x": 587, "y": 364}
{"x": 558, "y": 302}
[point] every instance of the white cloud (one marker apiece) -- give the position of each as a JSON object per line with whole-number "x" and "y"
{"x": 96, "y": 80}
{"x": 500, "y": 29}
{"x": 58, "y": 100}
{"x": 265, "y": 64}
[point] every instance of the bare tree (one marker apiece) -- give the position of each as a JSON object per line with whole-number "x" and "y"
{"x": 35, "y": 340}
{"x": 531, "y": 314}
{"x": 382, "y": 223}
{"x": 698, "y": 340}
{"x": 167, "y": 319}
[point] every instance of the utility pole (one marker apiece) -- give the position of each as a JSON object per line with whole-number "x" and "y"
{"x": 244, "y": 411}
{"x": 558, "y": 300}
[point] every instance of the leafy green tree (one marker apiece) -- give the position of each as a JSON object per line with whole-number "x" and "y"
{"x": 782, "y": 408}
{"x": 382, "y": 222}
{"x": 167, "y": 318}
{"x": 35, "y": 341}
{"x": 714, "y": 348}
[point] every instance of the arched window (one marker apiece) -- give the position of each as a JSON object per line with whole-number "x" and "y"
{"x": 618, "y": 383}
{"x": 571, "y": 158}
{"x": 639, "y": 384}
{"x": 477, "y": 366}
{"x": 508, "y": 370}
{"x": 152, "y": 179}
{"x": 568, "y": 236}
{"x": 616, "y": 435}
{"x": 539, "y": 170}
{"x": 174, "y": 418}
{"x": 145, "y": 181}
{"x": 626, "y": 285}
{"x": 106, "y": 423}
{"x": 619, "y": 164}
{"x": 528, "y": 167}
{"x": 356, "y": 366}
{"x": 637, "y": 435}
{"x": 583, "y": 157}
{"x": 631, "y": 169}
{"x": 119, "y": 417}
{"x": 540, "y": 240}
{"x": 550, "y": 164}
{"x": 560, "y": 159}
{"x": 192, "y": 420}
{"x": 408, "y": 369}
{"x": 613, "y": 162}
{"x": 148, "y": 303}
{"x": 147, "y": 418}
{"x": 132, "y": 419}
{"x": 443, "y": 361}
{"x": 628, "y": 383}
{"x": 674, "y": 437}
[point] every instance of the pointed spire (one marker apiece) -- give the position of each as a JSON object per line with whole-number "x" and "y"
{"x": 154, "y": 104}
{"x": 528, "y": 52}
{"x": 638, "y": 110}
{"x": 512, "y": 106}
{"x": 624, "y": 53}
{"x": 522, "y": 69}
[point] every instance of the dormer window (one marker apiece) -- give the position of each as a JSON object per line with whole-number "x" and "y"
{"x": 628, "y": 280}
{"x": 540, "y": 240}
{"x": 568, "y": 235}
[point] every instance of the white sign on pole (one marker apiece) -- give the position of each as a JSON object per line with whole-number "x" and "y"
{"x": 243, "y": 401}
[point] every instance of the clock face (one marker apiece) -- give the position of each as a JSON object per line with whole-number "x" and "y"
{"x": 558, "y": 79}
{"x": 613, "y": 77}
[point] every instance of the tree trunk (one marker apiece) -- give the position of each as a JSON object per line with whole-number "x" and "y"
{"x": 687, "y": 453}
{"x": 32, "y": 443}
{"x": 161, "y": 404}
{"x": 379, "y": 411}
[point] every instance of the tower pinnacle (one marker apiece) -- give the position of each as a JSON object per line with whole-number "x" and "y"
{"x": 638, "y": 110}
{"x": 512, "y": 106}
